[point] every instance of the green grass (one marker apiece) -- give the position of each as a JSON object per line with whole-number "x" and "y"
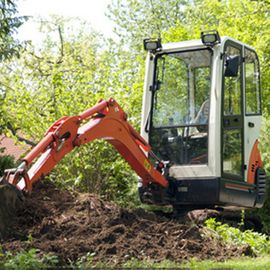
{"x": 244, "y": 263}
{"x": 33, "y": 260}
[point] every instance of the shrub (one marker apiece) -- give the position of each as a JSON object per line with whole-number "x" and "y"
{"x": 97, "y": 168}
{"x": 6, "y": 162}
{"x": 259, "y": 243}
{"x": 27, "y": 260}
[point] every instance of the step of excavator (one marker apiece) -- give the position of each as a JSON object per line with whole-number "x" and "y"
{"x": 10, "y": 197}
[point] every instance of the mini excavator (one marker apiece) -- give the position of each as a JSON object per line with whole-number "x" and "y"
{"x": 201, "y": 114}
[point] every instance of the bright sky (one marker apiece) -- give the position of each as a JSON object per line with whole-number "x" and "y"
{"x": 90, "y": 10}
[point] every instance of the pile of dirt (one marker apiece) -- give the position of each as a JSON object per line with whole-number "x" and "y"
{"x": 72, "y": 225}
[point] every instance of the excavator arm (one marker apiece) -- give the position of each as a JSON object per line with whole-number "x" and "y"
{"x": 106, "y": 120}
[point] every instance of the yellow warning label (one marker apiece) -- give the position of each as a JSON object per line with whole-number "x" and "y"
{"x": 147, "y": 165}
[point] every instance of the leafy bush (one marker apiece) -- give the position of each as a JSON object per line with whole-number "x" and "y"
{"x": 6, "y": 162}
{"x": 264, "y": 149}
{"x": 27, "y": 260}
{"x": 259, "y": 243}
{"x": 96, "y": 168}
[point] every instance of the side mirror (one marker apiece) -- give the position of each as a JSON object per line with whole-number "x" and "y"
{"x": 232, "y": 66}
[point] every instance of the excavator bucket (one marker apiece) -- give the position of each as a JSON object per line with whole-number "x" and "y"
{"x": 10, "y": 196}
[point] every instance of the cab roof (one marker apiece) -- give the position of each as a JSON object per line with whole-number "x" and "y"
{"x": 197, "y": 44}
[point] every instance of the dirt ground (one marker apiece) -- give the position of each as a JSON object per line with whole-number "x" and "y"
{"x": 71, "y": 225}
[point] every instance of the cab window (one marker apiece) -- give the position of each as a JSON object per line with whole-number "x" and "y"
{"x": 252, "y": 83}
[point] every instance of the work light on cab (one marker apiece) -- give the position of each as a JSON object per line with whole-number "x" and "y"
{"x": 210, "y": 38}
{"x": 152, "y": 44}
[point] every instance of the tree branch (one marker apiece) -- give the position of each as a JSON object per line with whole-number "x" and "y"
{"x": 20, "y": 138}
{"x": 61, "y": 44}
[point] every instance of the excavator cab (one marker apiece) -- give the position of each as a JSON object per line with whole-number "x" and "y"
{"x": 202, "y": 116}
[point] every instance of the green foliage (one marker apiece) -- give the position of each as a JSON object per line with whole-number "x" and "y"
{"x": 26, "y": 260}
{"x": 239, "y": 264}
{"x": 33, "y": 260}
{"x": 86, "y": 262}
{"x": 9, "y": 46}
{"x": 265, "y": 142}
{"x": 245, "y": 263}
{"x": 135, "y": 263}
{"x": 259, "y": 243}
{"x": 137, "y": 19}
{"x": 264, "y": 147}
{"x": 6, "y": 162}
{"x": 96, "y": 168}
{"x": 66, "y": 77}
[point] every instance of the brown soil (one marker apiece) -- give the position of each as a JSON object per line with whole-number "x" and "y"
{"x": 72, "y": 225}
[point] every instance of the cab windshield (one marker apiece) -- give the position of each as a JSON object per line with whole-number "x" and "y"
{"x": 180, "y": 112}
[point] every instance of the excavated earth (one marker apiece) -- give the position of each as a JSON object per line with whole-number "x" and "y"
{"x": 71, "y": 225}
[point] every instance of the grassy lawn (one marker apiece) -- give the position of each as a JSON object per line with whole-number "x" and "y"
{"x": 245, "y": 263}
{"x": 27, "y": 260}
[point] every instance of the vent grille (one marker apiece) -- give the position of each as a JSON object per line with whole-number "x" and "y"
{"x": 261, "y": 181}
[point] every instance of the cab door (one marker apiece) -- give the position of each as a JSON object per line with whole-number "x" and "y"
{"x": 253, "y": 112}
{"x": 232, "y": 127}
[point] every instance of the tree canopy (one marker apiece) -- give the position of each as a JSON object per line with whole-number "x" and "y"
{"x": 9, "y": 23}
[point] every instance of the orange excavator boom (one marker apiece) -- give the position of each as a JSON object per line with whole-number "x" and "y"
{"x": 106, "y": 120}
